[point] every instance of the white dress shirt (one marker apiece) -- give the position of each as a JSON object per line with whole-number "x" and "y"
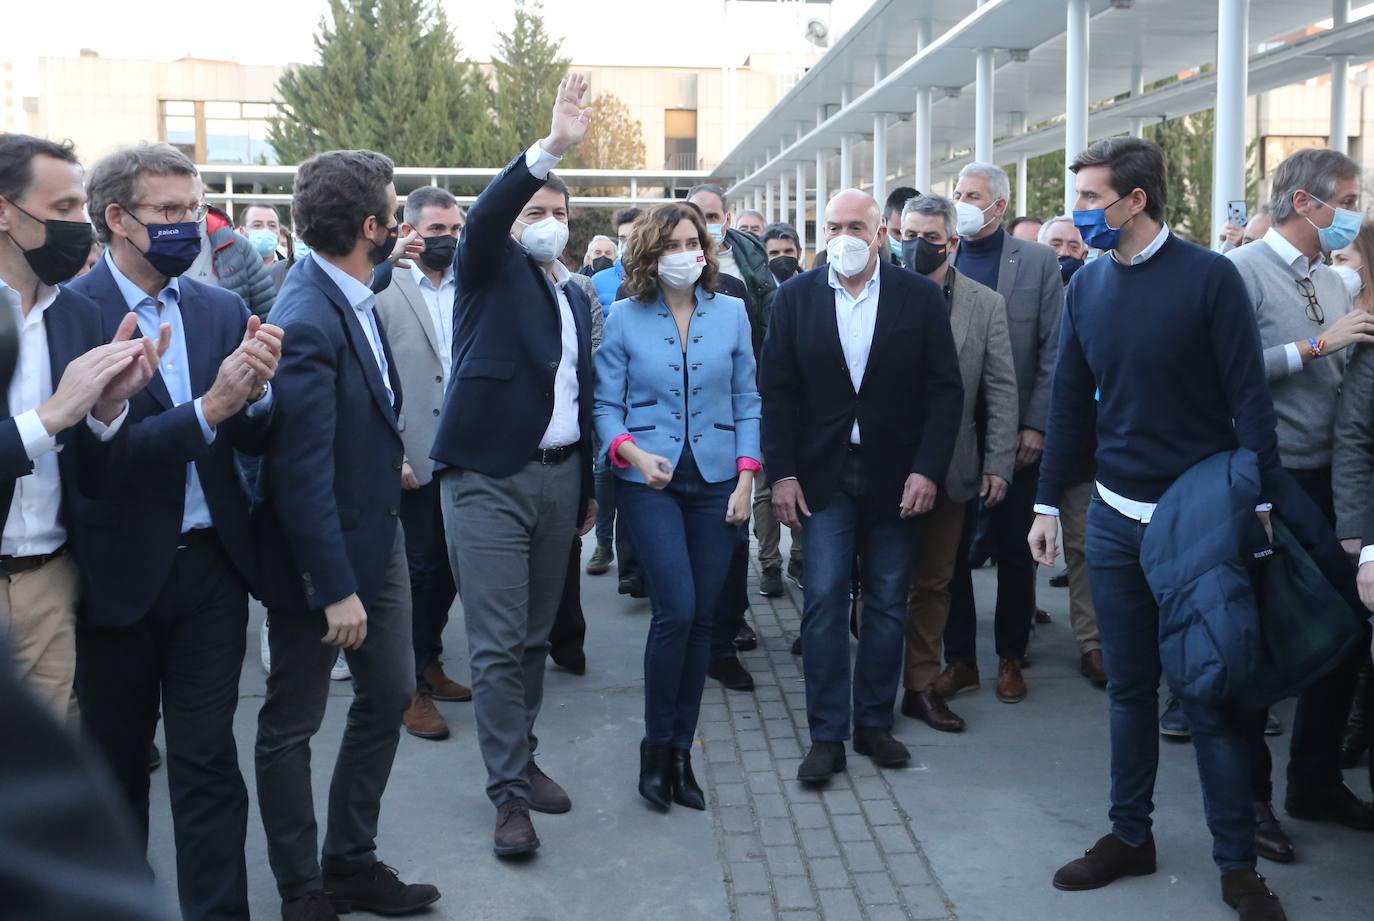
{"x": 33, "y": 526}
{"x": 563, "y": 424}
{"x": 363, "y": 302}
{"x": 855, "y": 317}
{"x": 440, "y": 303}
{"x": 1302, "y": 268}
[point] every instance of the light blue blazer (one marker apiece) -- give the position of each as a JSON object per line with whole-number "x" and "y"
{"x": 641, "y": 389}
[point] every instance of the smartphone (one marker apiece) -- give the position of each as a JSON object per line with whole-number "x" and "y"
{"x": 1237, "y": 213}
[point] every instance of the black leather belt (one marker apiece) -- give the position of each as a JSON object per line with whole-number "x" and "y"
{"x": 14, "y": 565}
{"x": 550, "y": 456}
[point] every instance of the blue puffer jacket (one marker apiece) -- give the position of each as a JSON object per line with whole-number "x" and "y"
{"x": 1244, "y": 620}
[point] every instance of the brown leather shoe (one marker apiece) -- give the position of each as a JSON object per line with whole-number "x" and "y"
{"x": 930, "y": 708}
{"x": 1271, "y": 841}
{"x": 1091, "y": 666}
{"x": 423, "y": 719}
{"x": 515, "y": 835}
{"x": 1011, "y": 687}
{"x": 1104, "y": 863}
{"x": 545, "y": 794}
{"x": 1248, "y": 893}
{"x": 444, "y": 687}
{"x": 957, "y": 678}
{"x": 1336, "y": 803}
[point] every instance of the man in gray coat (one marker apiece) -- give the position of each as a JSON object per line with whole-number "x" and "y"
{"x": 1026, "y": 274}
{"x": 417, "y": 312}
{"x": 978, "y": 319}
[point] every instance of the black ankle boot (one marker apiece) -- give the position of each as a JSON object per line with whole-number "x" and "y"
{"x": 656, "y": 774}
{"x": 686, "y": 792}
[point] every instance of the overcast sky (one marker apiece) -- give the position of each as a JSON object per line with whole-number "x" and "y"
{"x": 676, "y": 32}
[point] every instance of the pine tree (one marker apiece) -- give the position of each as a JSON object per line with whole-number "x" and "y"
{"x": 390, "y": 78}
{"x": 527, "y": 70}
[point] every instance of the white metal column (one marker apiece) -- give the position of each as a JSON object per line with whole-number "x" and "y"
{"x": 758, "y": 199}
{"x": 1228, "y": 170}
{"x": 800, "y": 222}
{"x": 1340, "y": 81}
{"x": 1075, "y": 93}
{"x": 821, "y": 198}
{"x": 1137, "y": 89}
{"x": 880, "y": 158}
{"x": 846, "y": 162}
{"x": 768, "y": 213}
{"x": 782, "y": 198}
{"x": 983, "y": 105}
{"x": 1018, "y": 126}
{"x": 921, "y": 117}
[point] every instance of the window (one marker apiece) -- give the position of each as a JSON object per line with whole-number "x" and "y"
{"x": 215, "y": 131}
{"x": 680, "y": 138}
{"x": 1276, "y": 148}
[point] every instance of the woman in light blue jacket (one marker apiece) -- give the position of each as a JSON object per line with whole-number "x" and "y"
{"x": 677, "y": 408}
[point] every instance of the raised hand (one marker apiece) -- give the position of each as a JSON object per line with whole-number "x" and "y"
{"x": 261, "y": 348}
{"x": 136, "y": 376}
{"x": 571, "y": 116}
{"x": 82, "y": 383}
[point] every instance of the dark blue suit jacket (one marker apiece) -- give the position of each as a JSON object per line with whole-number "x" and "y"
{"x": 507, "y": 343}
{"x": 134, "y": 486}
{"x": 72, "y": 323}
{"x": 909, "y": 404}
{"x": 330, "y": 488}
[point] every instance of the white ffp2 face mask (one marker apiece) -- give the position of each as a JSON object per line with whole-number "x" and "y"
{"x": 1351, "y": 278}
{"x": 682, "y": 269}
{"x": 544, "y": 240}
{"x": 849, "y": 255}
{"x": 972, "y": 219}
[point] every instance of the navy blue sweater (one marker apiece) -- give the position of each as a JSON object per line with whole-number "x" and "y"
{"x": 981, "y": 260}
{"x": 1173, "y": 351}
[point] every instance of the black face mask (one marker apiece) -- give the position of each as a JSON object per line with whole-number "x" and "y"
{"x": 922, "y": 256}
{"x": 438, "y": 254}
{"x": 602, "y": 263}
{"x": 784, "y": 267}
{"x": 382, "y": 252}
{"x": 64, "y": 251}
{"x": 1067, "y": 266}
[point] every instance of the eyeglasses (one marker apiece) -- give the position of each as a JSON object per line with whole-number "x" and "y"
{"x": 173, "y": 214}
{"x": 1314, "y": 308}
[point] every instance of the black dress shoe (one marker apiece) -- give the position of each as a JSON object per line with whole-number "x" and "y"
{"x": 571, "y": 662}
{"x": 730, "y": 672}
{"x": 313, "y": 906}
{"x": 377, "y": 889}
{"x": 1104, "y": 863}
{"x": 1060, "y": 580}
{"x": 1271, "y": 841}
{"x": 796, "y": 646}
{"x": 879, "y": 745}
{"x": 656, "y": 774}
{"x": 632, "y": 586}
{"x": 1336, "y": 803}
{"x": 825, "y": 760}
{"x": 686, "y": 791}
{"x": 746, "y": 639}
{"x": 931, "y": 709}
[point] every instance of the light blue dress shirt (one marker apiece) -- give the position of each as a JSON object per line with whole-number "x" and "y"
{"x": 176, "y": 375}
{"x": 364, "y": 303}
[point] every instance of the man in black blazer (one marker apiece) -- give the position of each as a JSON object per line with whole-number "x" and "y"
{"x": 163, "y": 535}
{"x": 862, "y": 399}
{"x": 54, "y": 370}
{"x": 333, "y": 554}
{"x": 516, "y": 436}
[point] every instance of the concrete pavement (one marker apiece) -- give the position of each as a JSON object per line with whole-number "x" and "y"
{"x": 972, "y": 830}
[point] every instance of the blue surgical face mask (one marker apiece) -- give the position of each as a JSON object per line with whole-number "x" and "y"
{"x": 895, "y": 245}
{"x": 300, "y": 248}
{"x": 620, "y": 249}
{"x": 1096, "y": 232}
{"x": 264, "y": 241}
{"x": 1344, "y": 227}
{"x": 717, "y": 232}
{"x": 172, "y": 248}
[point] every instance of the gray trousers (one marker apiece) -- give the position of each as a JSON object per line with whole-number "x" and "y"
{"x": 297, "y": 691}
{"x": 509, "y": 540}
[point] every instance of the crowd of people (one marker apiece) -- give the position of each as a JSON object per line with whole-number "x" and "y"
{"x": 367, "y": 416}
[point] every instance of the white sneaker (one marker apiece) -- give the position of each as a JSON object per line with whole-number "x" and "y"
{"x": 265, "y": 649}
{"x": 340, "y": 670}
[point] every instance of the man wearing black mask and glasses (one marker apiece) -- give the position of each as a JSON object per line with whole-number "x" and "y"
{"x": 417, "y": 313}
{"x": 980, "y": 467}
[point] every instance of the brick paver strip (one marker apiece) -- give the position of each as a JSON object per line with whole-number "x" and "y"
{"x": 789, "y": 853}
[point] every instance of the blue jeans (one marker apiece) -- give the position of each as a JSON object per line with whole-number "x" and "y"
{"x": 604, "y": 481}
{"x": 1128, "y": 620}
{"x": 684, "y": 548}
{"x": 885, "y": 544}
{"x": 734, "y": 600}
